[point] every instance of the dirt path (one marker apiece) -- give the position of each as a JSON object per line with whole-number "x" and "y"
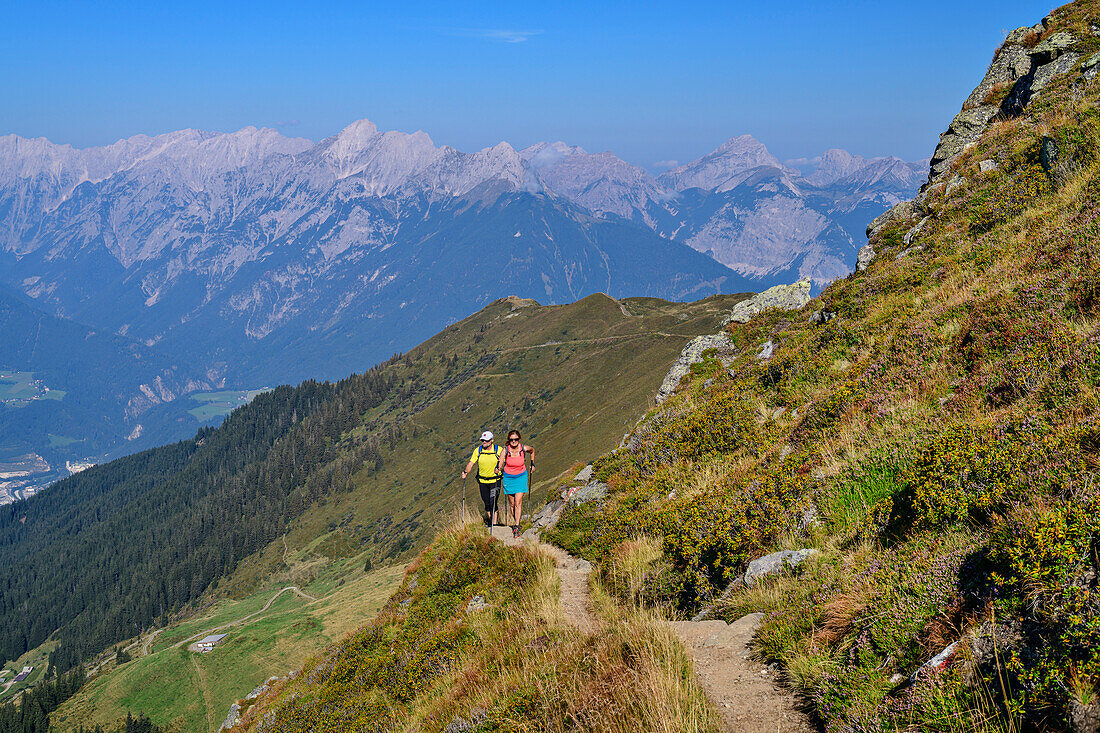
{"x": 205, "y": 694}
{"x": 573, "y": 574}
{"x": 295, "y": 589}
{"x": 743, "y": 692}
{"x": 149, "y": 642}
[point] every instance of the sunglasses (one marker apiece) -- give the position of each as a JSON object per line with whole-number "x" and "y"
{"x": 513, "y": 440}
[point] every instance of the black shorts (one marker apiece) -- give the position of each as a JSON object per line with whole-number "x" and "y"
{"x": 489, "y": 493}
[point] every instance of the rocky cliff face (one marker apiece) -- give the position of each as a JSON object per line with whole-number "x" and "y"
{"x": 1029, "y": 60}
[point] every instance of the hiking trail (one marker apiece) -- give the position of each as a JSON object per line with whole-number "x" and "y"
{"x": 744, "y": 692}
{"x": 572, "y": 572}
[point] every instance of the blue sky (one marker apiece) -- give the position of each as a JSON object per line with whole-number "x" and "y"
{"x": 649, "y": 81}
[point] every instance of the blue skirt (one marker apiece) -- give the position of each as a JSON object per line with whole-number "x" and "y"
{"x": 515, "y": 484}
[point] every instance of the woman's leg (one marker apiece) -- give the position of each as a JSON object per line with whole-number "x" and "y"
{"x": 518, "y": 513}
{"x": 512, "y": 507}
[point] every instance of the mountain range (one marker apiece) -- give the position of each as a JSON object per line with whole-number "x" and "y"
{"x": 252, "y": 258}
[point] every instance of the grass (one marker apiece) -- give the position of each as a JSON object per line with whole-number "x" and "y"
{"x": 428, "y": 663}
{"x": 221, "y": 403}
{"x": 37, "y": 658}
{"x": 61, "y": 441}
{"x": 18, "y": 389}
{"x": 188, "y": 691}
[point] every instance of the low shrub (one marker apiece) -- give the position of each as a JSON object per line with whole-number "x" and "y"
{"x": 970, "y": 473}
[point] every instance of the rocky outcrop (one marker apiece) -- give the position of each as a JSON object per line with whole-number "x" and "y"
{"x": 691, "y": 354}
{"x": 571, "y": 495}
{"x": 232, "y": 718}
{"x": 1017, "y": 74}
{"x": 775, "y": 563}
{"x": 783, "y": 297}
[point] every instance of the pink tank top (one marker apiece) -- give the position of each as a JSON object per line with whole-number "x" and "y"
{"x": 514, "y": 465}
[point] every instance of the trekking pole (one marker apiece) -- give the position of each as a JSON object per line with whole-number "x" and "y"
{"x": 463, "y": 498}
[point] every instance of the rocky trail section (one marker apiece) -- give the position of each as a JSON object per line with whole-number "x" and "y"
{"x": 745, "y": 693}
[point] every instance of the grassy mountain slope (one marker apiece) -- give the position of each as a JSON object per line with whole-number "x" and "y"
{"x": 573, "y": 379}
{"x": 434, "y": 661}
{"x": 361, "y": 469}
{"x": 192, "y": 692}
{"x": 935, "y": 439}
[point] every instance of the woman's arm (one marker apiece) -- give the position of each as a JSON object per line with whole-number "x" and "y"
{"x": 500, "y": 461}
{"x": 531, "y": 450}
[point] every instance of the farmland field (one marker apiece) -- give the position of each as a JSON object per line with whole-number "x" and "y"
{"x": 17, "y": 389}
{"x": 221, "y": 403}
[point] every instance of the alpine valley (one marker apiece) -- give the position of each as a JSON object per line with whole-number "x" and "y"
{"x": 243, "y": 260}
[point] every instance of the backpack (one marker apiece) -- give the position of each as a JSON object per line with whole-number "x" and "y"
{"x": 480, "y": 452}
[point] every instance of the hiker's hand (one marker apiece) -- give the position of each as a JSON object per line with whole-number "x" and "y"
{"x": 463, "y": 474}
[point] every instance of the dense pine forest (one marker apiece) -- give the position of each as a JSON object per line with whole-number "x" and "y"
{"x": 31, "y": 713}
{"x": 78, "y": 559}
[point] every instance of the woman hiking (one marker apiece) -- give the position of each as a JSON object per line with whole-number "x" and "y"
{"x": 513, "y": 464}
{"x": 486, "y": 456}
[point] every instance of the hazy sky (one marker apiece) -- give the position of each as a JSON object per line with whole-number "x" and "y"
{"x": 651, "y": 82}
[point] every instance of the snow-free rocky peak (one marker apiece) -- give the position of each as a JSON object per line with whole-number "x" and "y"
{"x": 601, "y": 182}
{"x": 388, "y": 163}
{"x": 723, "y": 168}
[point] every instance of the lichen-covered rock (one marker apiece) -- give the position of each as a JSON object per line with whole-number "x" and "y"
{"x": 865, "y": 257}
{"x": 585, "y": 474}
{"x": 1013, "y": 69}
{"x": 963, "y": 131}
{"x": 470, "y": 723}
{"x": 1043, "y": 75}
{"x": 904, "y": 210}
{"x": 939, "y": 661}
{"x": 477, "y": 603}
{"x": 233, "y": 718}
{"x": 548, "y": 516}
{"x": 909, "y": 251}
{"x": 784, "y": 297}
{"x": 1053, "y": 47}
{"x": 1009, "y": 65}
{"x": 592, "y": 491}
{"x": 1091, "y": 66}
{"x": 776, "y": 562}
{"x": 767, "y": 349}
{"x": 908, "y": 238}
{"x": 987, "y": 165}
{"x": 1084, "y": 717}
{"x": 691, "y": 354}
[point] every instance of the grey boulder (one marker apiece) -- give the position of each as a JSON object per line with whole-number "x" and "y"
{"x": 865, "y": 257}
{"x": 783, "y": 297}
{"x": 777, "y": 562}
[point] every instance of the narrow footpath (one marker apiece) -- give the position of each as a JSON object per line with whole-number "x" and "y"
{"x": 744, "y": 692}
{"x": 575, "y": 604}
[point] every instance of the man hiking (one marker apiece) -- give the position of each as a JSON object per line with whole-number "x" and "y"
{"x": 486, "y": 456}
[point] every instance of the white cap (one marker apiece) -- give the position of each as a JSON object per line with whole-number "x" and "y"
{"x": 487, "y": 435}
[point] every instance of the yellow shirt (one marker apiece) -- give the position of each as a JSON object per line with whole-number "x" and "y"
{"x": 486, "y": 462}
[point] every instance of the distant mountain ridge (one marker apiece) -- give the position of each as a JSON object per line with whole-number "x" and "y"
{"x": 252, "y": 258}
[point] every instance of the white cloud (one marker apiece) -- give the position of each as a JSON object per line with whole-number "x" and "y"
{"x": 503, "y": 35}
{"x": 666, "y": 165}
